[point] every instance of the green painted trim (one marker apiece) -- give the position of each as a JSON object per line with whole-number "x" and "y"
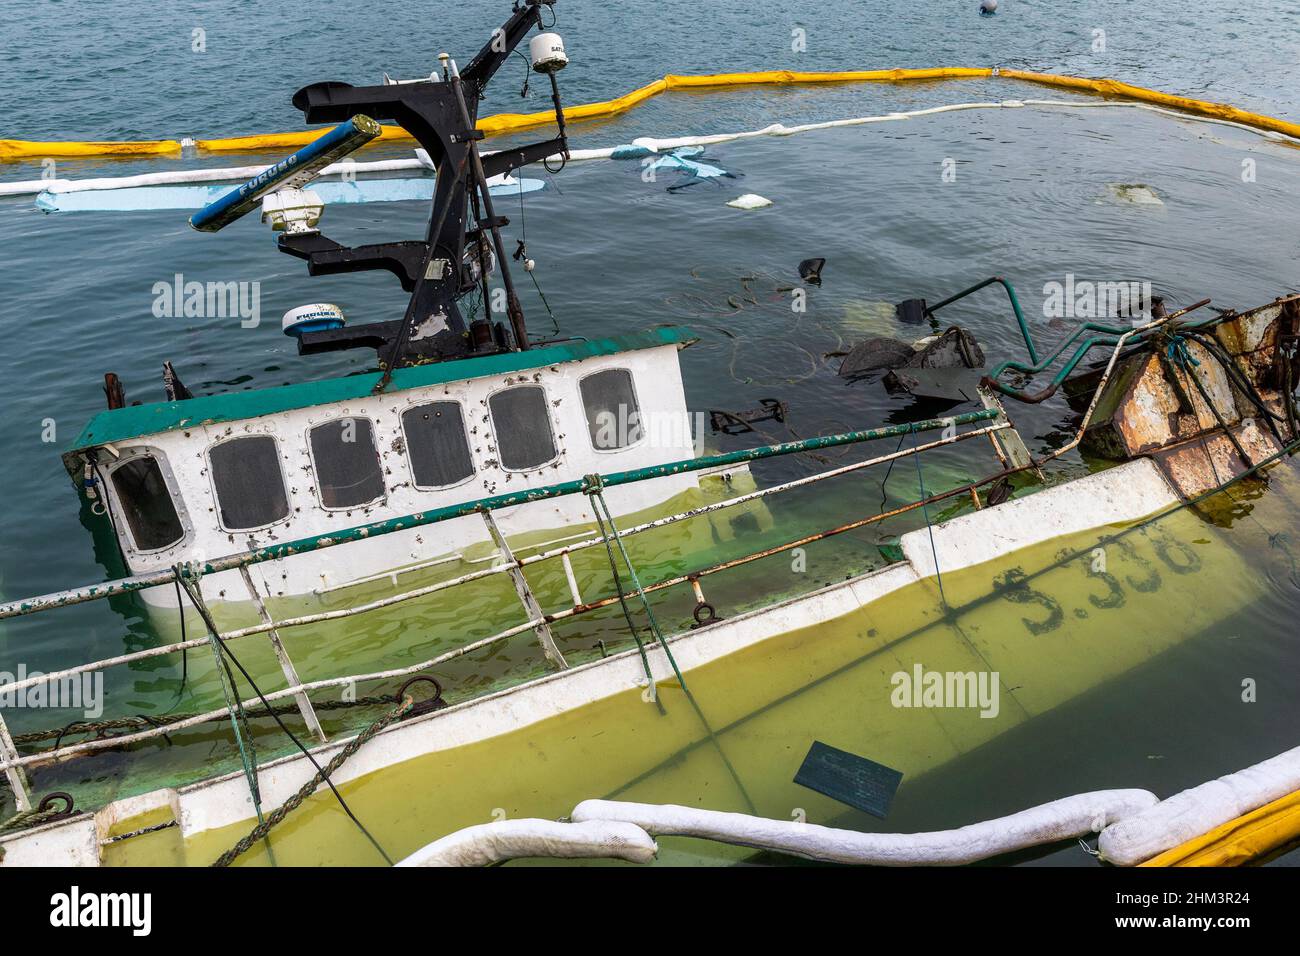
{"x": 139, "y": 421}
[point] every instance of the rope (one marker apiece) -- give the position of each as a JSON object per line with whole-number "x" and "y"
{"x": 277, "y": 815}
{"x": 594, "y": 486}
{"x": 185, "y": 651}
{"x": 522, "y": 253}
{"x": 234, "y": 706}
{"x": 44, "y": 812}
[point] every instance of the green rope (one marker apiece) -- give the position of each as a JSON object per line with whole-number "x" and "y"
{"x": 26, "y": 819}
{"x": 594, "y": 485}
{"x": 1179, "y": 353}
{"x": 234, "y": 706}
{"x": 598, "y": 503}
{"x": 622, "y": 600}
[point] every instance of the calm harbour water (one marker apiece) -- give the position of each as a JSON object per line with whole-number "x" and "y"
{"x": 1032, "y": 200}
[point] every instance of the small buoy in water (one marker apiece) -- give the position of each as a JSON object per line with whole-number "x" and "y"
{"x": 749, "y": 201}
{"x": 530, "y": 265}
{"x": 988, "y": 7}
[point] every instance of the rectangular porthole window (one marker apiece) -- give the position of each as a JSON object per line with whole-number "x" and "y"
{"x": 523, "y": 427}
{"x": 348, "y": 472}
{"x": 147, "y": 503}
{"x": 436, "y": 444}
{"x": 249, "y": 483}
{"x": 613, "y": 417}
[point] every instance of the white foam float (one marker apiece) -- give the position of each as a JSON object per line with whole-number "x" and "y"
{"x": 515, "y": 839}
{"x": 617, "y": 830}
{"x": 1063, "y": 819}
{"x": 749, "y": 201}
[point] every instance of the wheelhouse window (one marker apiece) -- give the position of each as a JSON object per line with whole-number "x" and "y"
{"x": 348, "y": 472}
{"x": 249, "y": 482}
{"x": 523, "y": 427}
{"x": 613, "y": 416}
{"x": 436, "y": 444}
{"x": 147, "y": 503}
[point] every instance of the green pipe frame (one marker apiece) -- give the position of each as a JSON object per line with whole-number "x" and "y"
{"x": 1035, "y": 364}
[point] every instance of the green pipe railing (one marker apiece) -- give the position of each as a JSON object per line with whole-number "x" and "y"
{"x": 1015, "y": 305}
{"x": 492, "y": 503}
{"x": 1109, "y": 337}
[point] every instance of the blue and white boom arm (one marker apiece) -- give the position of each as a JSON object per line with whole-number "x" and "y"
{"x": 292, "y": 172}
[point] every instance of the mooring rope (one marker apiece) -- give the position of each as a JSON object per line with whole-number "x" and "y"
{"x": 222, "y": 649}
{"x": 594, "y": 485}
{"x": 234, "y": 706}
{"x": 44, "y": 812}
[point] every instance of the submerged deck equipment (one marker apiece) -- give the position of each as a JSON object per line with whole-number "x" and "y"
{"x": 919, "y": 561}
{"x": 992, "y": 426}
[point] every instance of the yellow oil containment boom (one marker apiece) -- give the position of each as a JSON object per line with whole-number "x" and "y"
{"x": 1242, "y": 840}
{"x": 13, "y": 149}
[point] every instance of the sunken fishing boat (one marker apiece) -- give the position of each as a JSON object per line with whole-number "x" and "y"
{"x": 267, "y": 528}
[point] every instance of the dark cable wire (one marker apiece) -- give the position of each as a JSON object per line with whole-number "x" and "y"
{"x": 523, "y": 239}
{"x": 185, "y": 651}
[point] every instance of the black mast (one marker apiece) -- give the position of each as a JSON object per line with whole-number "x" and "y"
{"x": 436, "y": 271}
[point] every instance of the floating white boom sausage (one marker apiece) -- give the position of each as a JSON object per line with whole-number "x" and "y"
{"x": 1199, "y": 810}
{"x": 512, "y": 839}
{"x": 1063, "y": 819}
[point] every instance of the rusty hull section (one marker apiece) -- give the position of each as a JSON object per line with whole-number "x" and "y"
{"x": 1152, "y": 407}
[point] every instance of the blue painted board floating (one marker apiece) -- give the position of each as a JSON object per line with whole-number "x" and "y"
{"x": 140, "y": 198}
